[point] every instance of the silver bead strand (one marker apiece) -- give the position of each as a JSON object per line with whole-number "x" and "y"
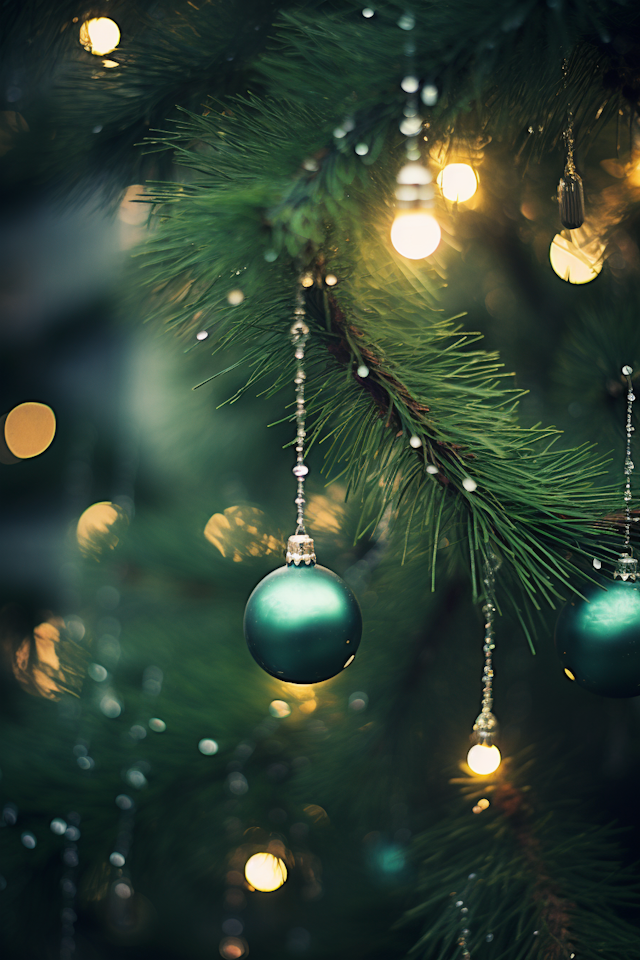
{"x": 627, "y": 565}
{"x": 300, "y": 546}
{"x": 486, "y": 724}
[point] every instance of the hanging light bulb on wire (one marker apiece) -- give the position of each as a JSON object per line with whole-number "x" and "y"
{"x": 415, "y": 233}
{"x": 484, "y": 757}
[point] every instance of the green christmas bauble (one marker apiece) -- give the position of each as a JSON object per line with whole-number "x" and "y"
{"x": 598, "y": 641}
{"x": 302, "y": 624}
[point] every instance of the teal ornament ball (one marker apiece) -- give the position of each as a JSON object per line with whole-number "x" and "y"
{"x": 302, "y": 624}
{"x": 598, "y": 641}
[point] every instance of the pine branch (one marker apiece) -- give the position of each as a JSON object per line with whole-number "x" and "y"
{"x": 506, "y": 486}
{"x": 527, "y": 885}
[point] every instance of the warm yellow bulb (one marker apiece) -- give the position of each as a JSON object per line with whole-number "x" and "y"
{"x": 573, "y": 263}
{"x": 484, "y": 760}
{"x": 415, "y": 234}
{"x": 265, "y": 872}
{"x": 100, "y": 35}
{"x": 458, "y": 182}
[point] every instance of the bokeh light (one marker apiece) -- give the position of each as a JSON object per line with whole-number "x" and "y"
{"x": 133, "y": 209}
{"x": 458, "y": 182}
{"x": 207, "y": 747}
{"x": 100, "y": 528}
{"x": 575, "y": 264}
{"x": 235, "y": 297}
{"x": 29, "y": 429}
{"x": 239, "y": 533}
{"x": 265, "y": 872}
{"x": 279, "y": 709}
{"x": 233, "y": 948}
{"x": 415, "y": 234}
{"x": 99, "y": 35}
{"x": 483, "y": 759}
{"x": 50, "y": 661}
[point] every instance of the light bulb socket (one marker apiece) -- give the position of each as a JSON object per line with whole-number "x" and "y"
{"x": 571, "y": 200}
{"x": 485, "y": 729}
{"x": 300, "y": 549}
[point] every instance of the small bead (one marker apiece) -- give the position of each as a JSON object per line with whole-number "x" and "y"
{"x": 627, "y": 371}
{"x": 299, "y": 354}
{"x": 300, "y": 470}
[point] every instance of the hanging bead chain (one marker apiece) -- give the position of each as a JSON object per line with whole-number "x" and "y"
{"x": 627, "y": 565}
{"x": 300, "y": 546}
{"x": 299, "y": 337}
{"x": 570, "y": 166}
{"x": 486, "y": 724}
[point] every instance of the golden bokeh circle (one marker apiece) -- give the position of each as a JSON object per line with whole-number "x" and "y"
{"x": 29, "y": 429}
{"x": 100, "y": 528}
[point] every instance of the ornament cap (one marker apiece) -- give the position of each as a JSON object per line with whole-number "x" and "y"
{"x": 300, "y": 549}
{"x": 626, "y": 568}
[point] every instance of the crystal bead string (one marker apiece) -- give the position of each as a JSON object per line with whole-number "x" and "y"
{"x": 627, "y": 566}
{"x": 489, "y": 610}
{"x": 299, "y": 337}
{"x": 567, "y": 136}
{"x": 628, "y": 462}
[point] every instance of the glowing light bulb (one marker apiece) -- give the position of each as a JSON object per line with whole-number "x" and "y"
{"x": 415, "y": 234}
{"x": 99, "y": 35}
{"x": 458, "y": 182}
{"x": 265, "y": 872}
{"x": 573, "y": 263}
{"x": 484, "y": 760}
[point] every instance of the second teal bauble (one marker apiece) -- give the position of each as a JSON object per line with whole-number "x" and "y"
{"x": 598, "y": 641}
{"x": 302, "y": 624}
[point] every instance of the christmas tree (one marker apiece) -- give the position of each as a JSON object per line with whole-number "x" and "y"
{"x": 243, "y": 237}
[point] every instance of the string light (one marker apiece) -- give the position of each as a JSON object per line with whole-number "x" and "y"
{"x": 484, "y": 757}
{"x": 458, "y": 182}
{"x": 265, "y": 872}
{"x": 99, "y": 35}
{"x": 415, "y": 234}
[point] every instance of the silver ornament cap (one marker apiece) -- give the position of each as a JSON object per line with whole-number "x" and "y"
{"x": 300, "y": 549}
{"x": 626, "y": 568}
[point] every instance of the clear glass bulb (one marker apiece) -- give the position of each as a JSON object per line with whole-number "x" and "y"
{"x": 484, "y": 760}
{"x": 573, "y": 263}
{"x": 415, "y": 234}
{"x": 458, "y": 182}
{"x": 265, "y": 872}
